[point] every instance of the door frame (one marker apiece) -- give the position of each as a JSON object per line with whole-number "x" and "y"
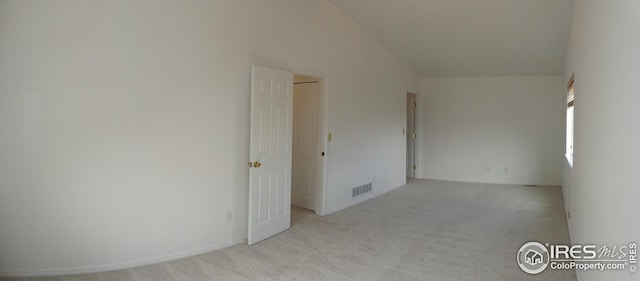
{"x": 416, "y": 125}
{"x": 321, "y": 191}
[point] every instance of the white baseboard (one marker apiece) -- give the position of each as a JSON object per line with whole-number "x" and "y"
{"x": 119, "y": 265}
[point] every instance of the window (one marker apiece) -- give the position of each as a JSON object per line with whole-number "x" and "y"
{"x": 570, "y": 110}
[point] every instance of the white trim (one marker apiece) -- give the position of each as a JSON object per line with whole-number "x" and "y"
{"x": 119, "y": 265}
{"x": 416, "y": 149}
{"x": 569, "y": 158}
{"x": 324, "y": 129}
{"x": 416, "y": 130}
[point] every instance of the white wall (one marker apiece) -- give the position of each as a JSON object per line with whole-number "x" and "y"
{"x": 603, "y": 187}
{"x": 124, "y": 125}
{"x": 491, "y": 129}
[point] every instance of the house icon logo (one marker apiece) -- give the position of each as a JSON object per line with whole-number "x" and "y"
{"x": 533, "y": 257}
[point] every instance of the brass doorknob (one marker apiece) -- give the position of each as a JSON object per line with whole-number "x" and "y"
{"x": 257, "y": 164}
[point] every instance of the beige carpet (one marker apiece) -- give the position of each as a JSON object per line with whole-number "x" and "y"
{"x": 426, "y": 230}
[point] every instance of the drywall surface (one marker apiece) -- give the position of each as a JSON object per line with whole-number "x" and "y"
{"x": 125, "y": 124}
{"x": 602, "y": 187}
{"x": 491, "y": 129}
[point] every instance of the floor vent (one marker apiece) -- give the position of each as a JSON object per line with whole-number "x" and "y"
{"x": 357, "y": 191}
{"x": 531, "y": 185}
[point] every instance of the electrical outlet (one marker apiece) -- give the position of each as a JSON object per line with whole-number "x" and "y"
{"x": 229, "y": 217}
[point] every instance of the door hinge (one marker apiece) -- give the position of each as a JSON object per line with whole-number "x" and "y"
{"x": 414, "y": 136}
{"x": 323, "y": 153}
{"x": 415, "y": 104}
{"x": 414, "y": 167}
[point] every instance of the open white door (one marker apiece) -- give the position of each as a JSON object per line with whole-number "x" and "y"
{"x": 270, "y": 152}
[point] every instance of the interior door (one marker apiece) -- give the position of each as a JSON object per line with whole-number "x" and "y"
{"x": 270, "y": 153}
{"x": 306, "y": 152}
{"x": 411, "y": 135}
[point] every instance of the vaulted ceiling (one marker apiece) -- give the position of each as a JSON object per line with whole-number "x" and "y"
{"x": 440, "y": 38}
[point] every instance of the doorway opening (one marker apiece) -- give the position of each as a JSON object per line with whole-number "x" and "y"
{"x": 412, "y": 105}
{"x": 307, "y": 143}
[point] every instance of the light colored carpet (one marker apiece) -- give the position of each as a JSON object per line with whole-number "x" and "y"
{"x": 426, "y": 230}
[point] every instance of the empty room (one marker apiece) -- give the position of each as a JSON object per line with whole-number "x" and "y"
{"x": 319, "y": 140}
